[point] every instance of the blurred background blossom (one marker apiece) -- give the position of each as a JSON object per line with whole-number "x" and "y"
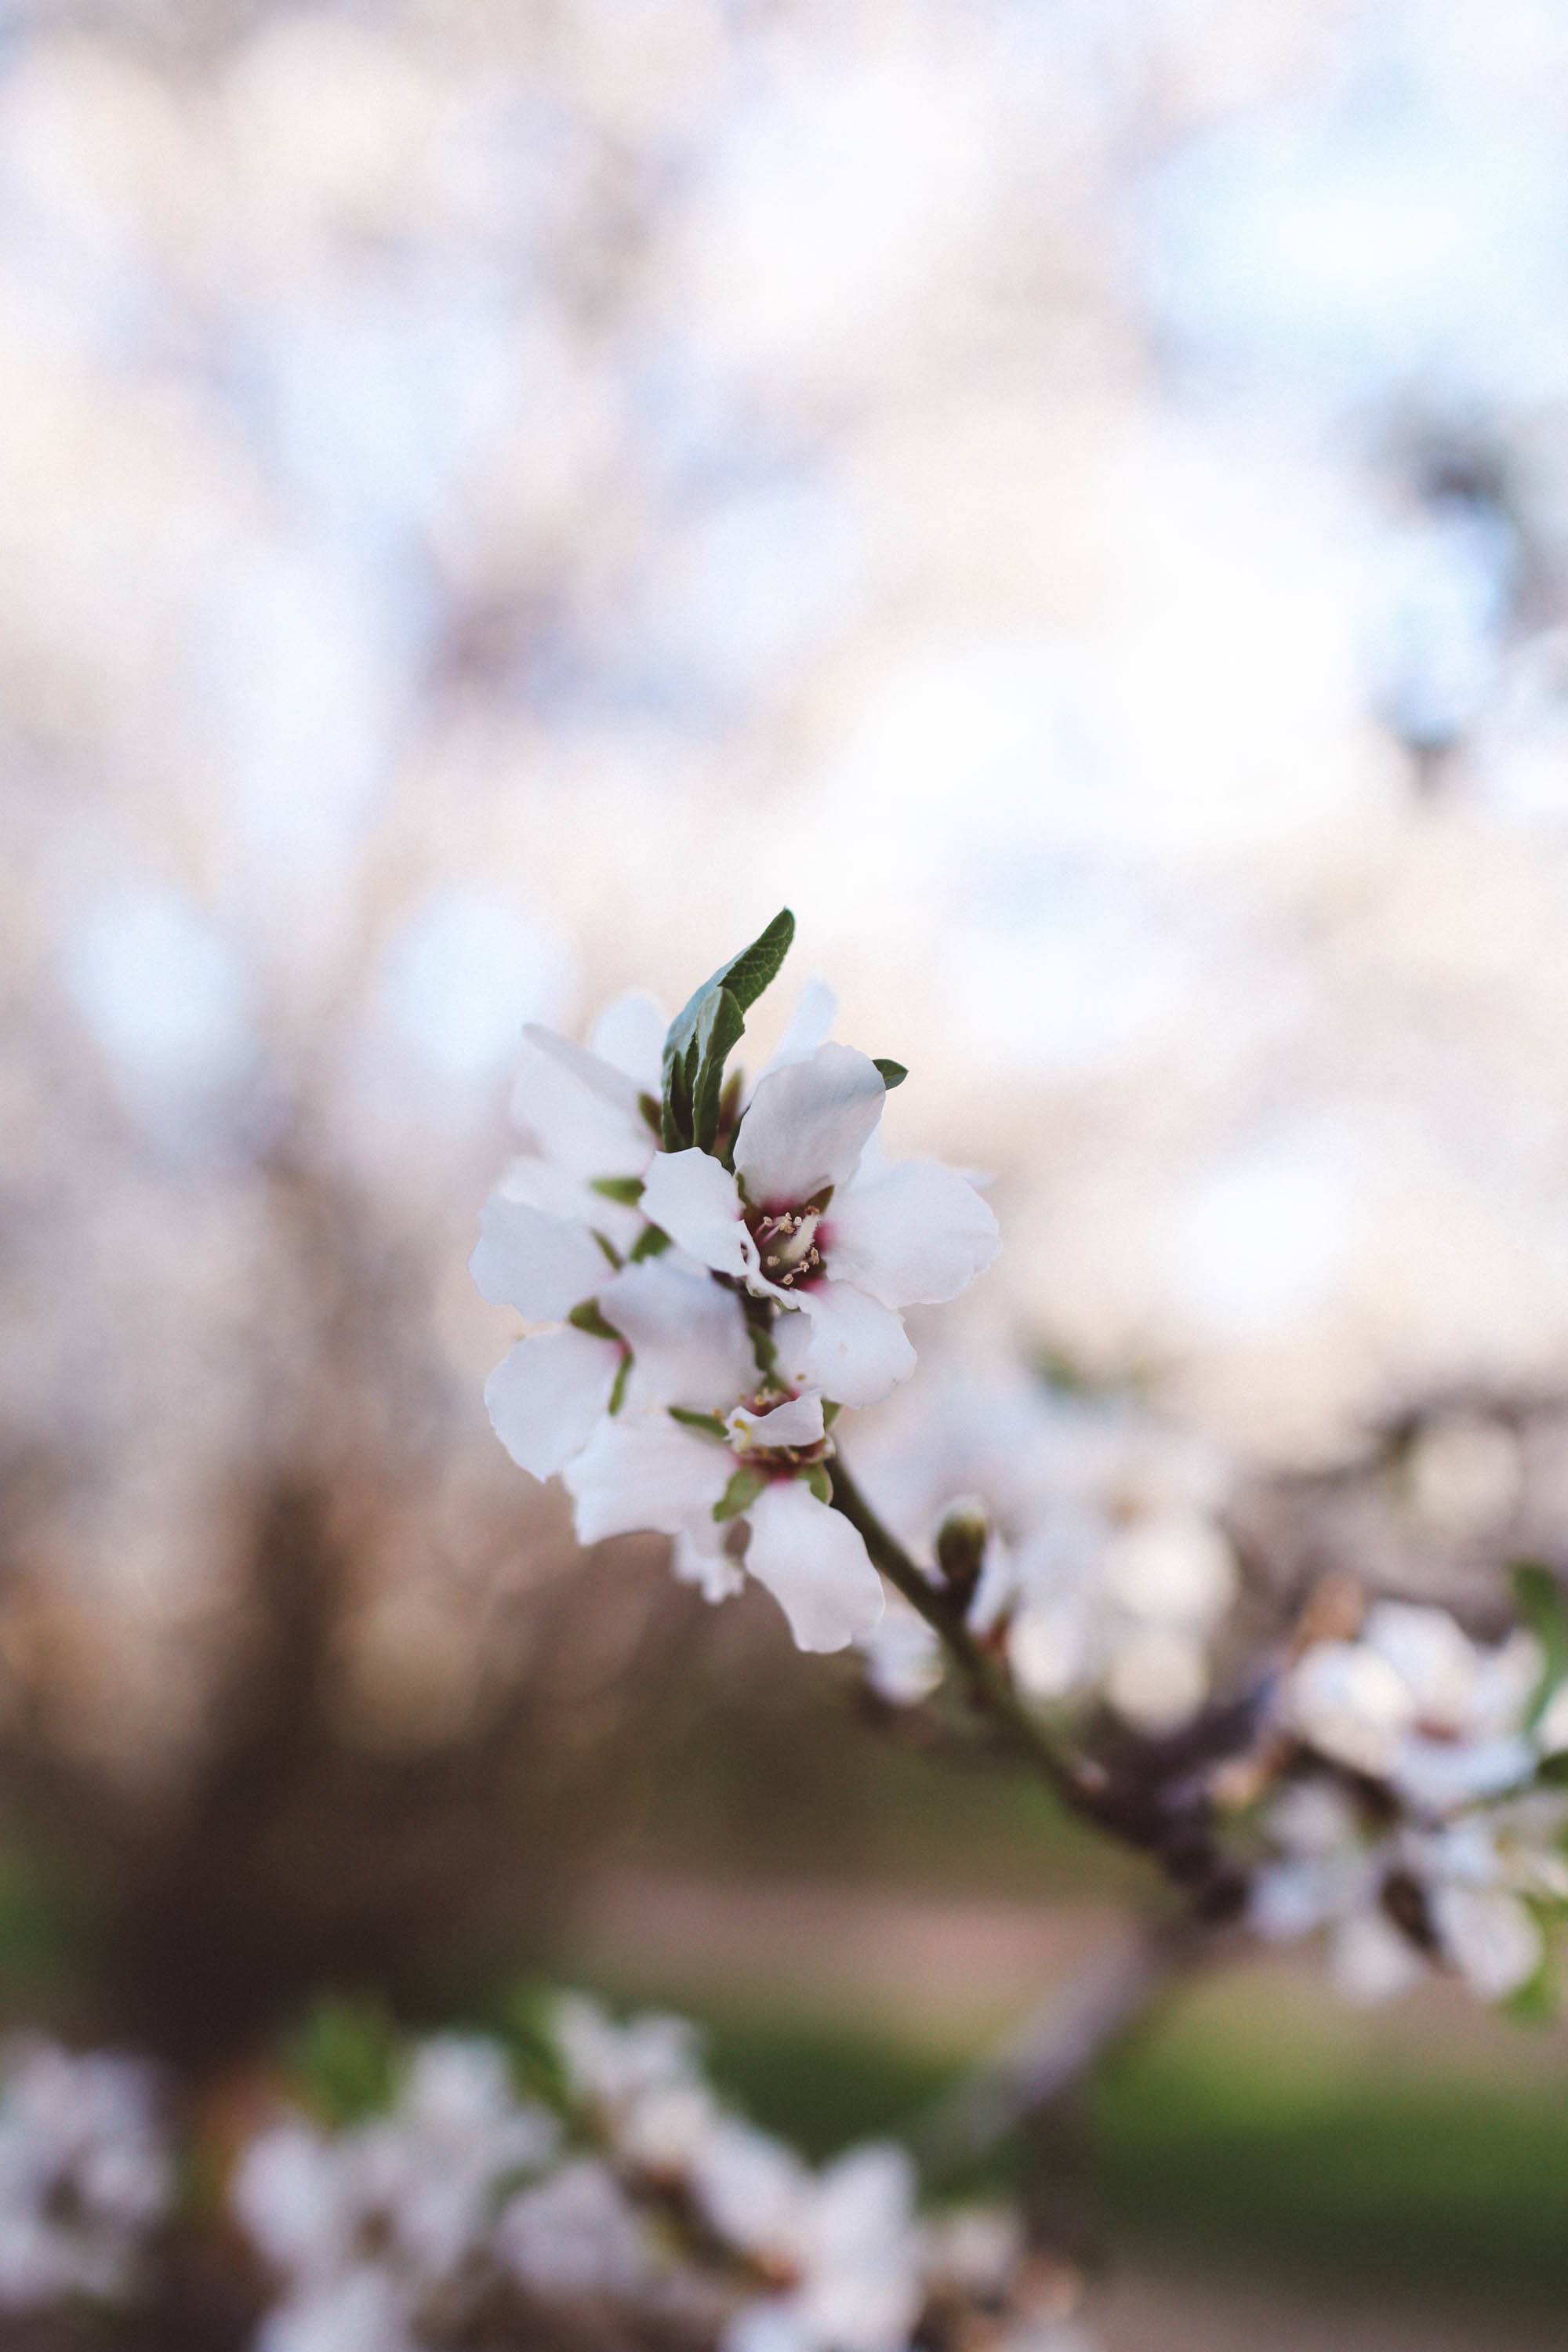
{"x": 1072, "y": 498}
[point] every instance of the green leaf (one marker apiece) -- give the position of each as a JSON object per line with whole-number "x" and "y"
{"x": 821, "y": 1485}
{"x": 699, "y": 1039}
{"x": 587, "y": 1318}
{"x": 709, "y": 1423}
{"x": 608, "y": 1247}
{"x": 739, "y": 1493}
{"x": 652, "y": 1242}
{"x": 348, "y": 2056}
{"x": 893, "y": 1072}
{"x": 624, "y": 1189}
{"x": 1543, "y": 1604}
{"x": 719, "y": 1032}
{"x": 618, "y": 1388}
{"x": 1552, "y": 1771}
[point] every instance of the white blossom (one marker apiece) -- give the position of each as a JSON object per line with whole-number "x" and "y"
{"x": 650, "y": 1471}
{"x": 408, "y": 2192}
{"x": 842, "y": 2240}
{"x": 1395, "y": 1897}
{"x": 85, "y": 2174}
{"x": 577, "y": 2233}
{"x": 813, "y": 1222}
{"x": 1415, "y": 1701}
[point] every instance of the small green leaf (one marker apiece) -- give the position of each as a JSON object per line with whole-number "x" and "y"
{"x": 652, "y": 1242}
{"x": 611, "y": 1251}
{"x": 695, "y": 1050}
{"x": 618, "y": 1390}
{"x": 821, "y": 1485}
{"x": 893, "y": 1072}
{"x": 709, "y": 1423}
{"x": 1552, "y": 1771}
{"x": 764, "y": 1349}
{"x": 831, "y": 1409}
{"x": 739, "y": 1493}
{"x": 719, "y": 1032}
{"x": 586, "y": 1317}
{"x": 626, "y": 1189}
{"x": 1543, "y": 1604}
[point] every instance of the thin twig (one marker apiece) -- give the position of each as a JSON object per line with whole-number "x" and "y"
{"x": 988, "y": 1686}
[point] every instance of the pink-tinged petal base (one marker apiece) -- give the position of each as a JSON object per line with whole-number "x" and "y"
{"x": 815, "y": 1565}
{"x": 546, "y": 1396}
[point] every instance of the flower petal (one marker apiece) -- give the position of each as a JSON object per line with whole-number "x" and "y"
{"x": 807, "y": 1125}
{"x": 579, "y": 1112}
{"x": 714, "y": 1573}
{"x": 645, "y": 1474}
{"x": 817, "y": 1009}
{"x": 687, "y": 1333}
{"x": 546, "y": 1395}
{"x": 694, "y": 1199}
{"x": 815, "y": 1565}
{"x": 796, "y": 1421}
{"x": 1490, "y": 1936}
{"x": 859, "y": 1351}
{"x": 912, "y": 1235}
{"x": 541, "y": 1264}
{"x": 629, "y": 1035}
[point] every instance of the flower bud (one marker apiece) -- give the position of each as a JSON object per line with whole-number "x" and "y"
{"x": 960, "y": 1543}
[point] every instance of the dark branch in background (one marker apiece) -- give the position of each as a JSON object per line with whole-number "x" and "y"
{"x": 1047, "y": 2060}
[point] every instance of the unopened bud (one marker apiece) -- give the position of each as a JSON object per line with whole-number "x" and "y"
{"x": 960, "y": 1543}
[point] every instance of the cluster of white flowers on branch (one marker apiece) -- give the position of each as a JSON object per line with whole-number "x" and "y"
{"x": 598, "y": 2170}
{"x": 717, "y": 1273}
{"x": 581, "y": 2182}
{"x": 709, "y": 1274}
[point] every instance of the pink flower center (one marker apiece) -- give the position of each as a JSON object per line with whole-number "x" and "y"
{"x": 786, "y": 1245}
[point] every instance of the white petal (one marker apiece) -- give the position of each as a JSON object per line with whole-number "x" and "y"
{"x": 1492, "y": 1935}
{"x": 1368, "y": 1959}
{"x": 815, "y": 1565}
{"x": 541, "y": 1264}
{"x": 637, "y": 1474}
{"x": 687, "y": 1336}
{"x": 629, "y": 1034}
{"x": 715, "y": 1576}
{"x": 807, "y": 1126}
{"x": 796, "y": 1421}
{"x": 859, "y": 1351}
{"x": 696, "y": 1202}
{"x": 594, "y": 1075}
{"x": 580, "y": 1113}
{"x": 913, "y": 1235}
{"x": 546, "y": 1396}
{"x": 810, "y": 1025}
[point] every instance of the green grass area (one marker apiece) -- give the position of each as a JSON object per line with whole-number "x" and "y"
{"x": 1209, "y": 2153}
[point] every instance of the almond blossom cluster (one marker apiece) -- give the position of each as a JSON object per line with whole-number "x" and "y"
{"x": 86, "y": 2173}
{"x": 1102, "y": 1570}
{"x": 1418, "y": 1824}
{"x": 708, "y": 1272}
{"x": 625, "y": 2182}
